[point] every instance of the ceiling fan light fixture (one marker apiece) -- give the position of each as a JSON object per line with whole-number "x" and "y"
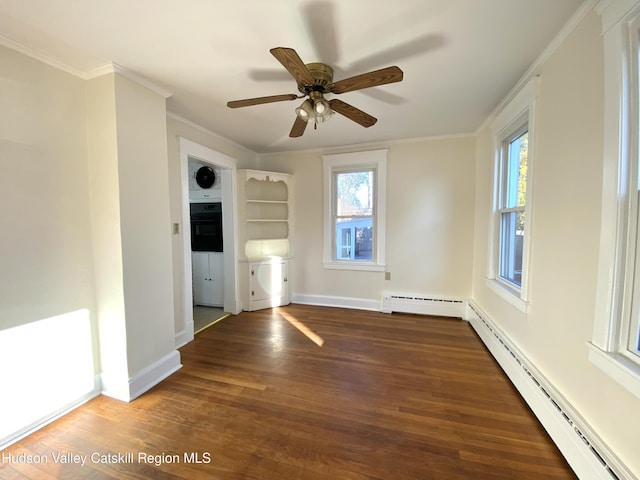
{"x": 324, "y": 116}
{"x": 321, "y": 109}
{"x": 305, "y": 111}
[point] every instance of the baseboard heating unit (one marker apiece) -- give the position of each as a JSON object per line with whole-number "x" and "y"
{"x": 423, "y": 305}
{"x": 585, "y": 451}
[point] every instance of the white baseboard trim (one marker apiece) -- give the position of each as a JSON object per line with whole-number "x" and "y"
{"x": 142, "y": 381}
{"x": 29, "y": 429}
{"x": 342, "y": 302}
{"x": 184, "y": 336}
{"x": 584, "y": 450}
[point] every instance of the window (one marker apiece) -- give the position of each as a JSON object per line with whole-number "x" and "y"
{"x": 355, "y": 205}
{"x": 353, "y": 214}
{"x": 615, "y": 345}
{"x": 630, "y": 334}
{"x": 509, "y": 247}
{"x": 511, "y": 212}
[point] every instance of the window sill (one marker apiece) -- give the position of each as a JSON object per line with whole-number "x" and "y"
{"x": 618, "y": 367}
{"x": 510, "y": 295}
{"x": 362, "y": 266}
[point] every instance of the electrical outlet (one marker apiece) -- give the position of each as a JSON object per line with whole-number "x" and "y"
{"x": 387, "y": 275}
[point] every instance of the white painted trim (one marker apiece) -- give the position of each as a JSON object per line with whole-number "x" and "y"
{"x": 354, "y": 265}
{"x": 507, "y": 295}
{"x": 615, "y": 257}
{"x": 227, "y": 164}
{"x": 150, "y": 376}
{"x": 333, "y": 301}
{"x": 130, "y": 74}
{"x": 614, "y": 11}
{"x": 615, "y": 181}
{"x": 39, "y": 56}
{"x": 572, "y": 434}
{"x": 358, "y": 147}
{"x": 142, "y": 381}
{"x": 185, "y": 335}
{"x": 52, "y": 417}
{"x": 371, "y": 158}
{"x": 197, "y": 126}
{"x": 513, "y": 115}
{"x": 535, "y": 68}
{"x": 618, "y": 367}
{"x": 115, "y": 386}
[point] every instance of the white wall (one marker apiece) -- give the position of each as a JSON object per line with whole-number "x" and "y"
{"x": 46, "y": 267}
{"x": 46, "y": 264}
{"x": 565, "y": 234}
{"x": 429, "y": 222}
{"x": 145, "y": 223}
{"x": 132, "y": 234}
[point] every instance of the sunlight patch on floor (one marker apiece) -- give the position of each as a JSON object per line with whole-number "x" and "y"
{"x": 314, "y": 337}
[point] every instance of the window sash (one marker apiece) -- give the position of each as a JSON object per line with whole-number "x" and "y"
{"x": 340, "y": 251}
{"x": 511, "y": 210}
{"x": 629, "y": 328}
{"x": 511, "y": 245}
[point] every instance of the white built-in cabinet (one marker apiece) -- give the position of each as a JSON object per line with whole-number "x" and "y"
{"x": 264, "y": 230}
{"x": 208, "y": 278}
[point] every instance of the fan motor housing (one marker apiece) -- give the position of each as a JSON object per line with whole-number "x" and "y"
{"x": 322, "y": 75}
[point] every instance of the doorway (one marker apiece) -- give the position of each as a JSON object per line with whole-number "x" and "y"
{"x": 226, "y": 166}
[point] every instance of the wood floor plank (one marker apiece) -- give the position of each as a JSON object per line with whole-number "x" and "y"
{"x": 385, "y": 396}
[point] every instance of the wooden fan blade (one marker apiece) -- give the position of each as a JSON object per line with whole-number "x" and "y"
{"x": 367, "y": 80}
{"x": 259, "y": 100}
{"x": 292, "y": 62}
{"x": 298, "y": 127}
{"x": 352, "y": 113}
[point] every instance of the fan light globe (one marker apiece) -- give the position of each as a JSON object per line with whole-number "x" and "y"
{"x": 321, "y": 109}
{"x": 305, "y": 111}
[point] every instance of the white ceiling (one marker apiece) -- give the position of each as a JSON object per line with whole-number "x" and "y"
{"x": 459, "y": 57}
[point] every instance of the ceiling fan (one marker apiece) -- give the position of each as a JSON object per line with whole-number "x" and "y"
{"x": 314, "y": 81}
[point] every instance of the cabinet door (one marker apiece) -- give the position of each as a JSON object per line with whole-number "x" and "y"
{"x": 268, "y": 284}
{"x": 201, "y": 282}
{"x": 216, "y": 270}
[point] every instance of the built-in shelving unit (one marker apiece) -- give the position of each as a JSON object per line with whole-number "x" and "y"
{"x": 264, "y": 231}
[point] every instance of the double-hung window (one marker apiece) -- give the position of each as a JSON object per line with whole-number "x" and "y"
{"x": 615, "y": 345}
{"x": 354, "y": 210}
{"x": 512, "y": 200}
{"x": 354, "y": 213}
{"x": 509, "y": 246}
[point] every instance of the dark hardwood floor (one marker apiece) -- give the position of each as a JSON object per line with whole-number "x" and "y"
{"x": 371, "y": 397}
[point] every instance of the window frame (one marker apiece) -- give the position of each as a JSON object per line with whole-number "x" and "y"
{"x": 519, "y": 127}
{"x": 336, "y": 217}
{"x": 375, "y": 160}
{"x": 518, "y": 115}
{"x": 617, "y": 289}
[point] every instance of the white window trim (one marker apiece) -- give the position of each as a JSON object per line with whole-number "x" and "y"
{"x": 373, "y": 158}
{"x": 605, "y": 350}
{"x": 522, "y": 105}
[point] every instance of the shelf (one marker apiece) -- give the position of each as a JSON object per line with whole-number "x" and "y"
{"x": 266, "y": 191}
{"x": 267, "y": 211}
{"x": 264, "y": 213}
{"x": 267, "y": 230}
{"x": 266, "y": 220}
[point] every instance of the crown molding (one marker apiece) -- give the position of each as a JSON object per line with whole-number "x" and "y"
{"x": 197, "y": 126}
{"x": 534, "y": 69}
{"x": 85, "y": 75}
{"x": 131, "y": 75}
{"x": 36, "y": 55}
